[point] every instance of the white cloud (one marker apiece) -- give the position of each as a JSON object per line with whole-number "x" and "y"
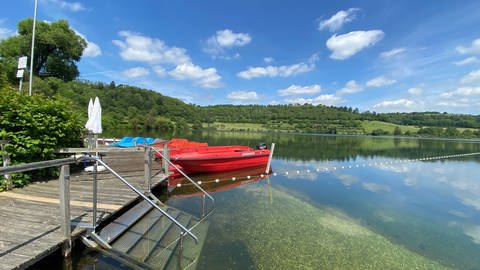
{"x": 350, "y": 88}
{"x": 135, "y": 72}
{"x": 226, "y": 39}
{"x": 268, "y": 60}
{"x": 346, "y": 45}
{"x": 5, "y": 32}
{"x": 416, "y": 91}
{"x": 392, "y": 53}
{"x": 72, "y": 6}
{"x": 466, "y": 61}
{"x": 397, "y": 105}
{"x": 322, "y": 99}
{"x": 92, "y": 49}
{"x": 462, "y": 92}
{"x": 205, "y": 78}
{"x": 243, "y": 96}
{"x": 160, "y": 71}
{"x": 279, "y": 71}
{"x": 137, "y": 47}
{"x": 276, "y": 71}
{"x": 380, "y": 81}
{"x": 300, "y": 90}
{"x": 338, "y": 20}
{"x": 472, "y": 77}
{"x": 473, "y": 49}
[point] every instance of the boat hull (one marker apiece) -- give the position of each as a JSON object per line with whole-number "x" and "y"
{"x": 212, "y": 162}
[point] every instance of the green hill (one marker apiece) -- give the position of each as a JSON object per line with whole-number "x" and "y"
{"x": 131, "y": 108}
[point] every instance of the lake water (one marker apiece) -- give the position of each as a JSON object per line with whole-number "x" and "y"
{"x": 348, "y": 202}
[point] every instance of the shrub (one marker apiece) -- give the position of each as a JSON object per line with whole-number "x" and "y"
{"x": 36, "y": 127}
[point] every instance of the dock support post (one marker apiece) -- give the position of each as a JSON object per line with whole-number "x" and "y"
{"x": 65, "y": 210}
{"x": 94, "y": 197}
{"x": 148, "y": 169}
{"x": 6, "y": 163}
{"x": 267, "y": 170}
{"x": 166, "y": 154}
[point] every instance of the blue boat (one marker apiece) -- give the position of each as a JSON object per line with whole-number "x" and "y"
{"x": 134, "y": 141}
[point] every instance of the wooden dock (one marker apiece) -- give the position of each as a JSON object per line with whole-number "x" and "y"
{"x": 30, "y": 216}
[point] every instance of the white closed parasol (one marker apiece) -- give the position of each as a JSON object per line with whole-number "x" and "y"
{"x": 94, "y": 123}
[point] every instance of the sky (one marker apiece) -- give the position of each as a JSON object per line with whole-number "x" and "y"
{"x": 382, "y": 56}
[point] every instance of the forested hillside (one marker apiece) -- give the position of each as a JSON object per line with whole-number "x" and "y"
{"x": 132, "y": 108}
{"x": 123, "y": 107}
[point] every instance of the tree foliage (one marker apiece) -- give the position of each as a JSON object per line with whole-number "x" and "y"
{"x": 57, "y": 49}
{"x": 36, "y": 127}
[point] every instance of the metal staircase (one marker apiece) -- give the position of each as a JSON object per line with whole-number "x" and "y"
{"x": 143, "y": 238}
{"x": 150, "y": 235}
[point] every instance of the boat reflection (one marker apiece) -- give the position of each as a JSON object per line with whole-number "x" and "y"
{"x": 215, "y": 182}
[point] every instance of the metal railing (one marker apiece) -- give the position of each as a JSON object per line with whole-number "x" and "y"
{"x": 139, "y": 193}
{"x": 64, "y": 193}
{"x": 205, "y": 193}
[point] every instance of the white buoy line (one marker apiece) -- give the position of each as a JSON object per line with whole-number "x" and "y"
{"x": 326, "y": 169}
{"x": 218, "y": 180}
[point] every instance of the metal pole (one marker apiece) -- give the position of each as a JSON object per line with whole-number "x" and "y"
{"x": 166, "y": 155}
{"x": 267, "y": 170}
{"x": 6, "y": 163}
{"x": 94, "y": 203}
{"x": 20, "y": 86}
{"x": 33, "y": 46}
{"x": 148, "y": 170}
{"x": 65, "y": 209}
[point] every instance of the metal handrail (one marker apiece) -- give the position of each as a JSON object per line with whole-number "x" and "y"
{"x": 37, "y": 165}
{"x": 205, "y": 193}
{"x": 72, "y": 160}
{"x": 187, "y": 231}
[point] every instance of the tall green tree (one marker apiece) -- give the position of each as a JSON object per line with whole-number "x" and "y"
{"x": 57, "y": 49}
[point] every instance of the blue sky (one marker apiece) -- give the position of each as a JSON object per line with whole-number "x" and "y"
{"x": 380, "y": 56}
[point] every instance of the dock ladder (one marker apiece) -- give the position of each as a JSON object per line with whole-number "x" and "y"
{"x": 150, "y": 235}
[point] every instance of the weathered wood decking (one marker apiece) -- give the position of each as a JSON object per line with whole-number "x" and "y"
{"x": 30, "y": 216}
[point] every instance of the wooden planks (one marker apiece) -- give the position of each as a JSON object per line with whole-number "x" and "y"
{"x": 30, "y": 217}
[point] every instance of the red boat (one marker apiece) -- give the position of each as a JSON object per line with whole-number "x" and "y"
{"x": 210, "y": 159}
{"x": 193, "y": 157}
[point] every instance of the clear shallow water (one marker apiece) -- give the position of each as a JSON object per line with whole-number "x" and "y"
{"x": 423, "y": 214}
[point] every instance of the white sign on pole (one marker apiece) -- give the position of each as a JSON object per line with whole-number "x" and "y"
{"x": 22, "y": 62}
{"x": 20, "y": 73}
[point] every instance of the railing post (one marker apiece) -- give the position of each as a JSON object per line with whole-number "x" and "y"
{"x": 6, "y": 163}
{"x": 267, "y": 170}
{"x": 65, "y": 210}
{"x": 94, "y": 196}
{"x": 166, "y": 155}
{"x": 148, "y": 169}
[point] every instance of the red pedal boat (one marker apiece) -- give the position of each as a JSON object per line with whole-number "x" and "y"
{"x": 193, "y": 158}
{"x": 212, "y": 159}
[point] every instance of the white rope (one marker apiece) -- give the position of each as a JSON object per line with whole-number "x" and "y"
{"x": 327, "y": 169}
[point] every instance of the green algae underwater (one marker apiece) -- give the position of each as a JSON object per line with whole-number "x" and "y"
{"x": 285, "y": 232}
